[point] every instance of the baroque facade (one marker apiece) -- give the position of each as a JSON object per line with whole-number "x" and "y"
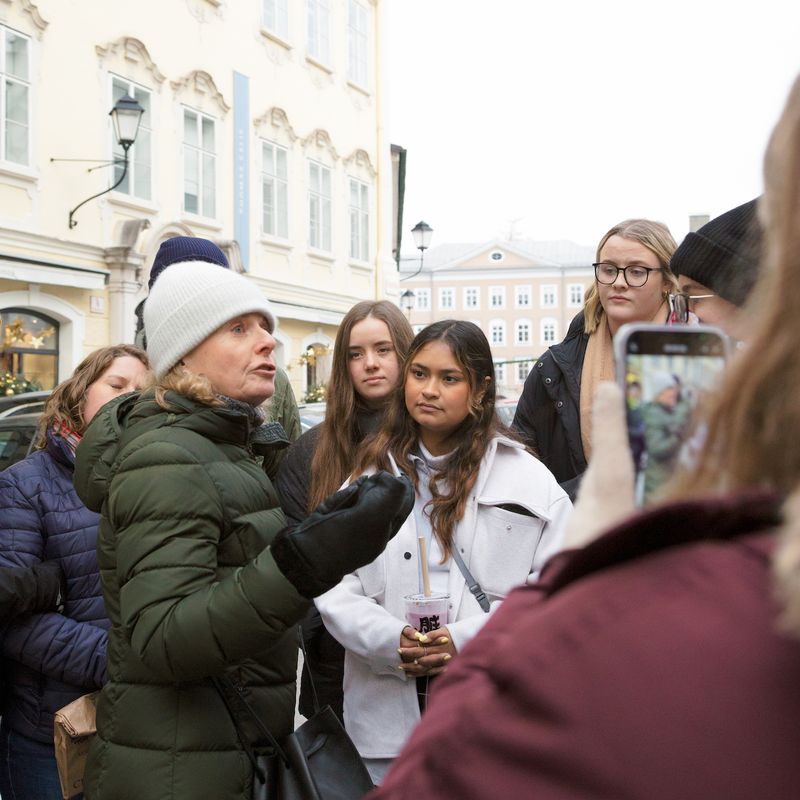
{"x": 261, "y": 131}
{"x": 523, "y": 295}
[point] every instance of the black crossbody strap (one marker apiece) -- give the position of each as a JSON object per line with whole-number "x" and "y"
{"x": 233, "y": 696}
{"x": 472, "y": 584}
{"x": 307, "y": 668}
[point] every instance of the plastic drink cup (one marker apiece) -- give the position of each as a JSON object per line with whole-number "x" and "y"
{"x": 426, "y": 614}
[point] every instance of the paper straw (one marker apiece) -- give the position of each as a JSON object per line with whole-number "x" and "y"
{"x": 423, "y": 560}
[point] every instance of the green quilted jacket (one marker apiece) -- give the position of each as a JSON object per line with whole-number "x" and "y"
{"x": 192, "y": 592}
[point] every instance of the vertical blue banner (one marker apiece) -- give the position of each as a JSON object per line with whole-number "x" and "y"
{"x": 241, "y": 165}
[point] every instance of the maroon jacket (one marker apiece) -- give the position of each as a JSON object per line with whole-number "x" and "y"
{"x": 644, "y": 666}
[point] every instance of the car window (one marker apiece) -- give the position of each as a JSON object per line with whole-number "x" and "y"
{"x": 24, "y": 408}
{"x": 505, "y": 412}
{"x": 15, "y": 443}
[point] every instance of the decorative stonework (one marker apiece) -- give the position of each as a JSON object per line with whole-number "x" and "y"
{"x": 37, "y": 18}
{"x": 278, "y": 51}
{"x": 133, "y": 51}
{"x": 320, "y": 74}
{"x": 31, "y": 9}
{"x": 356, "y": 98}
{"x": 233, "y": 253}
{"x": 201, "y": 82}
{"x": 321, "y": 138}
{"x": 125, "y": 266}
{"x": 360, "y": 158}
{"x": 166, "y": 232}
{"x": 130, "y": 231}
{"x": 200, "y": 9}
{"x": 277, "y": 118}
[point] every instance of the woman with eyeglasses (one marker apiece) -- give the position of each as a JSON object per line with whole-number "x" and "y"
{"x": 633, "y": 282}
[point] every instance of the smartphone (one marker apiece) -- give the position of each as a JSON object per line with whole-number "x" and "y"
{"x": 665, "y": 372}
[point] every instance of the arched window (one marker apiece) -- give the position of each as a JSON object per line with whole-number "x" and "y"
{"x": 317, "y": 361}
{"x": 28, "y": 351}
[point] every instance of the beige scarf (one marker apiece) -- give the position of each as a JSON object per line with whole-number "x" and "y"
{"x": 598, "y": 366}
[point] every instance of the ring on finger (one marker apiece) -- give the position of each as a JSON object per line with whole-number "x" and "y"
{"x": 424, "y": 650}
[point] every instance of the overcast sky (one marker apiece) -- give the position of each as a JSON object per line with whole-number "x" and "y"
{"x": 563, "y": 117}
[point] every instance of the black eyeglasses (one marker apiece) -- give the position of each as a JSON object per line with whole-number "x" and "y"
{"x": 635, "y": 276}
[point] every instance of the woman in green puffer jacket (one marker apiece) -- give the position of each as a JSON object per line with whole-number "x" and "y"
{"x": 200, "y": 575}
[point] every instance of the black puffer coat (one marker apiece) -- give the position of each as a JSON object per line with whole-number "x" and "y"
{"x": 548, "y": 413}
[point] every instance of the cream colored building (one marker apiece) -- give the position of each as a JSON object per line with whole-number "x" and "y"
{"x": 262, "y": 131}
{"x": 523, "y": 295}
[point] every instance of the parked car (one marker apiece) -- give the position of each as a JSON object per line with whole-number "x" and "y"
{"x": 311, "y": 414}
{"x": 25, "y": 403}
{"x": 17, "y": 437}
{"x": 505, "y": 410}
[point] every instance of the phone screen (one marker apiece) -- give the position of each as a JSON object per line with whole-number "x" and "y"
{"x": 666, "y": 373}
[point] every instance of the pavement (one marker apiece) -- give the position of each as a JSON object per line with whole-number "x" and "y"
{"x": 299, "y": 719}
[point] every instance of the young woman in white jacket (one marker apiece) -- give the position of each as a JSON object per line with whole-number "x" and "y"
{"x": 478, "y": 492}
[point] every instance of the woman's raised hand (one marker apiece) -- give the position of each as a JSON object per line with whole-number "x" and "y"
{"x": 346, "y": 531}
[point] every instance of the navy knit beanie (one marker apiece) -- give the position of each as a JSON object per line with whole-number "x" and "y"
{"x": 724, "y": 254}
{"x": 185, "y": 248}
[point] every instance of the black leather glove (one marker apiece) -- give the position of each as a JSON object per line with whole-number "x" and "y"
{"x": 346, "y": 531}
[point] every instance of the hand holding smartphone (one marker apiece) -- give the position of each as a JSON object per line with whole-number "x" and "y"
{"x": 664, "y": 373}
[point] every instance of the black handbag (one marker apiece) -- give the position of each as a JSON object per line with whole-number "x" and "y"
{"x": 318, "y": 761}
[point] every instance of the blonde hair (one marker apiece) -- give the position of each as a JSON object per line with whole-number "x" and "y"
{"x": 753, "y": 422}
{"x": 65, "y": 404}
{"x": 655, "y": 236}
{"x": 186, "y": 384}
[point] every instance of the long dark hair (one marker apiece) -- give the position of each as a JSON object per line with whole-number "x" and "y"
{"x": 400, "y": 433}
{"x": 334, "y": 456}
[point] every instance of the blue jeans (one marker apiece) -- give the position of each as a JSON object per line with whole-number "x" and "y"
{"x": 27, "y": 769}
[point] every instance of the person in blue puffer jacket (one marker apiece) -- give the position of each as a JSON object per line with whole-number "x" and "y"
{"x": 51, "y": 658}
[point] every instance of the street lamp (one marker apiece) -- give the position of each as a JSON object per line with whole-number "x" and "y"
{"x": 407, "y": 302}
{"x": 125, "y": 116}
{"x": 422, "y": 233}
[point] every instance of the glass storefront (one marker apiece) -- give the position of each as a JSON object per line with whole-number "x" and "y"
{"x": 28, "y": 351}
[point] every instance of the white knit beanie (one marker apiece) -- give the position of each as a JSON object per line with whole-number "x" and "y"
{"x": 188, "y": 302}
{"x": 659, "y": 381}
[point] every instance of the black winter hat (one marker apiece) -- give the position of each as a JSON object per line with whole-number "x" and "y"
{"x": 185, "y": 248}
{"x": 724, "y": 254}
